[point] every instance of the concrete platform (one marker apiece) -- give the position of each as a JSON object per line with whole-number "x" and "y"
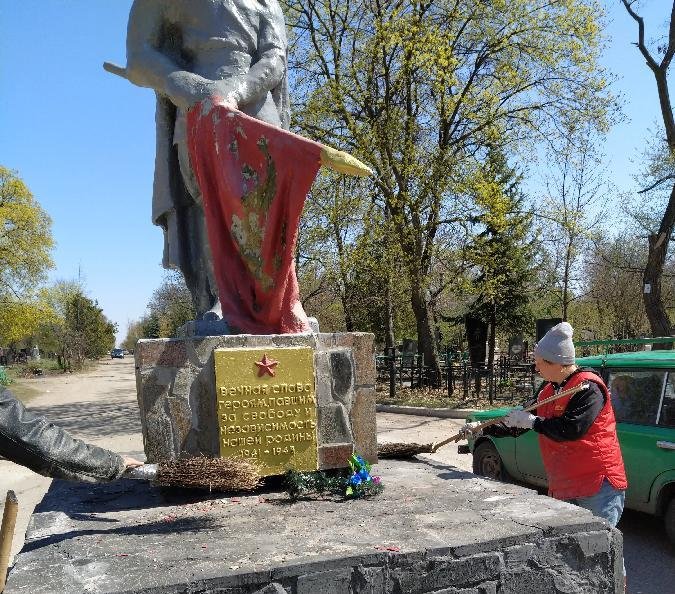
{"x": 433, "y": 529}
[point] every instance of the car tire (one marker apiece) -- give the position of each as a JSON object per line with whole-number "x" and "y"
{"x": 669, "y": 520}
{"x": 487, "y": 462}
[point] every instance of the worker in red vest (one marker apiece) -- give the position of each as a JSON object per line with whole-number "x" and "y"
{"x": 577, "y": 433}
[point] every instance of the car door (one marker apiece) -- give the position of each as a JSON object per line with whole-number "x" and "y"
{"x": 637, "y": 396}
{"x": 528, "y": 458}
{"x": 528, "y": 454}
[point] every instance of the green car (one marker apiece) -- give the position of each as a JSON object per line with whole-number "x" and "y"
{"x": 642, "y": 385}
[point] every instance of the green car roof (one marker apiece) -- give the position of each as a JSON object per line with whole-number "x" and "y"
{"x": 638, "y": 359}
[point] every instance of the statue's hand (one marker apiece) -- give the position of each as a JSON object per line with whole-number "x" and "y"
{"x": 227, "y": 91}
{"x": 186, "y": 89}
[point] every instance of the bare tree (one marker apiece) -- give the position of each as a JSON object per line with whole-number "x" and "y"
{"x": 659, "y": 241}
{"x": 573, "y": 209}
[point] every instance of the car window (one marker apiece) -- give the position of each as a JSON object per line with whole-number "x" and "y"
{"x": 636, "y": 395}
{"x": 667, "y": 416}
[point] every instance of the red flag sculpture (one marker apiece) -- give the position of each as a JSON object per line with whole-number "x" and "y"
{"x": 254, "y": 179}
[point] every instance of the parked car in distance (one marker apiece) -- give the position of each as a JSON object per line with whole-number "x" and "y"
{"x": 642, "y": 387}
{"x": 117, "y": 354}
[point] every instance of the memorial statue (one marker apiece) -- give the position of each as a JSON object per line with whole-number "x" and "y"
{"x": 227, "y": 55}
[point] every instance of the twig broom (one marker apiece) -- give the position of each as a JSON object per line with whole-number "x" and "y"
{"x": 408, "y": 450}
{"x": 200, "y": 472}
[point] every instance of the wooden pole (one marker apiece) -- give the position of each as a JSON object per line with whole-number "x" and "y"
{"x": 7, "y": 534}
{"x": 534, "y": 406}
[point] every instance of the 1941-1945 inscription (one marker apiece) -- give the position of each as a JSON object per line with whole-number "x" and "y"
{"x": 267, "y": 407}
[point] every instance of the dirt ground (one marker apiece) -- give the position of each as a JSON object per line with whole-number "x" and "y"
{"x": 99, "y": 406}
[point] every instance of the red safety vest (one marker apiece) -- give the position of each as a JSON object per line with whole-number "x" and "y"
{"x": 577, "y": 468}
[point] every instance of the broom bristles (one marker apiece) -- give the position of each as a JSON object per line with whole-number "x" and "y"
{"x": 214, "y": 474}
{"x": 402, "y": 450}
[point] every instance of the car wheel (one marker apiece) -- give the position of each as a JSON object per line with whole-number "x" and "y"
{"x": 669, "y": 520}
{"x": 488, "y": 462}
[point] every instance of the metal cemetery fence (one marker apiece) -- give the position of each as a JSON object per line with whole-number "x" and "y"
{"x": 505, "y": 379}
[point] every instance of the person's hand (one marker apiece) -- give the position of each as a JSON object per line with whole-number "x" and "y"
{"x": 468, "y": 430}
{"x": 519, "y": 419}
{"x": 130, "y": 462}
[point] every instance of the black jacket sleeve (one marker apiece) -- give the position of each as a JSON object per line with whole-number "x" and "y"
{"x": 501, "y": 430}
{"x": 582, "y": 410}
{"x": 34, "y": 442}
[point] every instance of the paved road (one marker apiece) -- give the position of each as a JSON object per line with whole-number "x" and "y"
{"x": 649, "y": 557}
{"x": 100, "y": 407}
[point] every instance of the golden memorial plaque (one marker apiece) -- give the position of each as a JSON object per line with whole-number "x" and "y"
{"x": 267, "y": 407}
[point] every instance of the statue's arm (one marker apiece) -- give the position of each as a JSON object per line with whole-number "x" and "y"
{"x": 147, "y": 66}
{"x": 269, "y": 67}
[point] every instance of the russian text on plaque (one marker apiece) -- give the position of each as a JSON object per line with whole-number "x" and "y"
{"x": 267, "y": 407}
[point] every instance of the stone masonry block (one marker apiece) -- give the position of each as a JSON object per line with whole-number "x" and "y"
{"x": 333, "y": 424}
{"x": 161, "y": 352}
{"x": 322, "y": 379}
{"x": 465, "y": 571}
{"x": 488, "y": 588}
{"x": 592, "y": 543}
{"x": 364, "y": 358}
{"x": 311, "y": 546}
{"x": 342, "y": 375}
{"x": 179, "y": 413}
{"x": 368, "y": 580}
{"x": 176, "y": 389}
{"x": 335, "y": 581}
{"x": 442, "y": 573}
{"x": 518, "y": 555}
{"x": 364, "y": 424}
{"x": 526, "y": 581}
{"x": 334, "y": 455}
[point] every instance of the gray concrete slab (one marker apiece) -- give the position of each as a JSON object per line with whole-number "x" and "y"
{"x": 130, "y": 537}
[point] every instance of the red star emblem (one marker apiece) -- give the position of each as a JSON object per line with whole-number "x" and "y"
{"x": 266, "y": 365}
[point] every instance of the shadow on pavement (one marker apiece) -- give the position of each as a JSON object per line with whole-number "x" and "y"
{"x": 92, "y": 420}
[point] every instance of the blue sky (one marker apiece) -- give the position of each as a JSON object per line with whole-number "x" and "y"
{"x": 83, "y": 139}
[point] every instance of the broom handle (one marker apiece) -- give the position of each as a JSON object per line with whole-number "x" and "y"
{"x": 7, "y": 534}
{"x": 146, "y": 472}
{"x": 482, "y": 426}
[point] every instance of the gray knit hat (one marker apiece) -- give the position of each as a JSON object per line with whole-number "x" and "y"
{"x": 556, "y": 346}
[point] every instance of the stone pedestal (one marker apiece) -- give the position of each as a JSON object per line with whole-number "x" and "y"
{"x": 176, "y": 389}
{"x": 434, "y": 529}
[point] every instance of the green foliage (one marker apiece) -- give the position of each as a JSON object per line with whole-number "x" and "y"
{"x": 25, "y": 238}
{"x": 5, "y": 380}
{"x": 91, "y": 334}
{"x": 573, "y": 212}
{"x": 347, "y": 265}
{"x": 613, "y": 306}
{"x": 78, "y": 329}
{"x": 169, "y": 308}
{"x": 354, "y": 483}
{"x": 416, "y": 90}
{"x": 21, "y": 318}
{"x": 501, "y": 251}
{"x": 25, "y": 248}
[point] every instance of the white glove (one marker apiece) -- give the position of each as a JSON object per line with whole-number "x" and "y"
{"x": 467, "y": 430}
{"x": 519, "y": 419}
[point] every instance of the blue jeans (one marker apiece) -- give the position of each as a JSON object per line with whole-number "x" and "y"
{"x": 606, "y": 503}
